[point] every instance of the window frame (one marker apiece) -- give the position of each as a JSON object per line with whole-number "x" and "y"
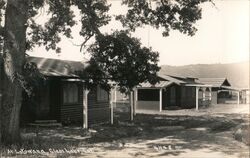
{"x": 70, "y": 84}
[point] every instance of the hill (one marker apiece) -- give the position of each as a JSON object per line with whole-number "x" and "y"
{"x": 236, "y": 73}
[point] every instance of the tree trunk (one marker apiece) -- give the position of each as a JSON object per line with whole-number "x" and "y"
{"x": 1, "y": 77}
{"x": 14, "y": 58}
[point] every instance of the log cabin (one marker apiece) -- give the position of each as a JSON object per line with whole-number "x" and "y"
{"x": 63, "y": 96}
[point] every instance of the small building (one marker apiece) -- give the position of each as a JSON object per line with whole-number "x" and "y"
{"x": 172, "y": 92}
{"x": 63, "y": 96}
{"x": 224, "y": 93}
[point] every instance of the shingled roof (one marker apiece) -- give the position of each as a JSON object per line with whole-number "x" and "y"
{"x": 161, "y": 84}
{"x": 215, "y": 82}
{"x": 171, "y": 79}
{"x": 56, "y": 67}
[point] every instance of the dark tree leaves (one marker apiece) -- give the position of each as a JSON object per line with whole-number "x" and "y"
{"x": 93, "y": 16}
{"x": 177, "y": 15}
{"x": 124, "y": 59}
{"x": 120, "y": 56}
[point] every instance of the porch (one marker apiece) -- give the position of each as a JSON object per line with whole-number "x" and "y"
{"x": 66, "y": 101}
{"x": 168, "y": 95}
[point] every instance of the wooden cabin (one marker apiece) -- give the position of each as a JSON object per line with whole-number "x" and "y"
{"x": 172, "y": 92}
{"x": 224, "y": 93}
{"x": 61, "y": 96}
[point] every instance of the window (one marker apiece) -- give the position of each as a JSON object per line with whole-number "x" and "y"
{"x": 70, "y": 93}
{"x": 102, "y": 95}
{"x": 148, "y": 95}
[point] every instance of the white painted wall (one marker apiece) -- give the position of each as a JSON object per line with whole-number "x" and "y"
{"x": 147, "y": 105}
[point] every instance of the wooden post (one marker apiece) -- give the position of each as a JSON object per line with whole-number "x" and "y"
{"x": 135, "y": 100}
{"x": 238, "y": 98}
{"x": 160, "y": 103}
{"x": 203, "y": 93}
{"x": 210, "y": 94}
{"x": 115, "y": 93}
{"x": 111, "y": 107}
{"x": 197, "y": 98}
{"x": 131, "y": 106}
{"x": 85, "y": 108}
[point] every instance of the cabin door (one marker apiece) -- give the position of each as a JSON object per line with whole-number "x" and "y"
{"x": 55, "y": 99}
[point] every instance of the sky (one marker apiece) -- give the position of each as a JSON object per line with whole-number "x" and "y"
{"x": 222, "y": 37}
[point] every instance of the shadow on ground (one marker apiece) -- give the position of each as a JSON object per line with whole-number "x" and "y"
{"x": 147, "y": 135}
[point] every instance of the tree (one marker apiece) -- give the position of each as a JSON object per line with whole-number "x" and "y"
{"x": 21, "y": 32}
{"x": 124, "y": 60}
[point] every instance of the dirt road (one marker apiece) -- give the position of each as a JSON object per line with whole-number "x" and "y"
{"x": 188, "y": 135}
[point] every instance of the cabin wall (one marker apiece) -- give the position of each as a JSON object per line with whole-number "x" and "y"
{"x": 98, "y": 110}
{"x": 71, "y": 112}
{"x": 55, "y": 98}
{"x": 42, "y": 102}
{"x": 188, "y": 97}
{"x": 49, "y": 103}
{"x": 36, "y": 106}
{"x": 171, "y": 96}
{"x": 148, "y": 105}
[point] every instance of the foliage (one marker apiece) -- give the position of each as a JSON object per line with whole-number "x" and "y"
{"x": 124, "y": 59}
{"x": 177, "y": 14}
{"x": 32, "y": 78}
{"x": 118, "y": 54}
{"x": 93, "y": 15}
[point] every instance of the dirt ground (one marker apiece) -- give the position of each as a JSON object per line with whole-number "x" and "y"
{"x": 207, "y": 133}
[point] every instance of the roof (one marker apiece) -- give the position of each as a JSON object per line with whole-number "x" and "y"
{"x": 230, "y": 88}
{"x": 183, "y": 77}
{"x": 215, "y": 82}
{"x": 171, "y": 79}
{"x": 161, "y": 84}
{"x": 179, "y": 80}
{"x": 166, "y": 80}
{"x": 56, "y": 67}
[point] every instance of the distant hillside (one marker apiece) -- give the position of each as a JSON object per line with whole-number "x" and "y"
{"x": 236, "y": 73}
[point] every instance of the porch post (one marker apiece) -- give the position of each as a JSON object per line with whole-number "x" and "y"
{"x": 210, "y": 94}
{"x": 197, "y": 98}
{"x": 160, "y": 104}
{"x": 131, "y": 106}
{"x": 111, "y": 106}
{"x": 203, "y": 93}
{"x": 135, "y": 100}
{"x": 115, "y": 94}
{"x": 238, "y": 97}
{"x": 85, "y": 108}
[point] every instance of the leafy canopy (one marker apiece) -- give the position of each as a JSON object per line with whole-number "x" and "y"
{"x": 124, "y": 60}
{"x": 116, "y": 55}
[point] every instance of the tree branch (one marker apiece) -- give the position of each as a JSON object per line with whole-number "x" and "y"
{"x": 86, "y": 40}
